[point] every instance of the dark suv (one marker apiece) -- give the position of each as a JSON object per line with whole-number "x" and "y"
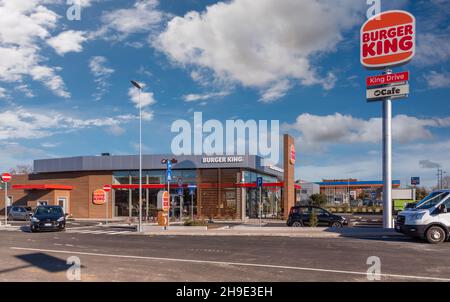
{"x": 299, "y": 216}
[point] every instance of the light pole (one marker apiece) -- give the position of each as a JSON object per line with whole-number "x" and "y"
{"x": 139, "y": 87}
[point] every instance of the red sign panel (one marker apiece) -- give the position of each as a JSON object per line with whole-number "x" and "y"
{"x": 6, "y": 177}
{"x": 387, "y": 79}
{"x": 165, "y": 200}
{"x": 99, "y": 197}
{"x": 292, "y": 155}
{"x": 107, "y": 188}
{"x": 388, "y": 39}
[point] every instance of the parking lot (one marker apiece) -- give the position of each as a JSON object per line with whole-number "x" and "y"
{"x": 117, "y": 254}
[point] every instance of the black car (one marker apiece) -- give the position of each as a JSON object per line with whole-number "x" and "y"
{"x": 48, "y": 218}
{"x": 300, "y": 216}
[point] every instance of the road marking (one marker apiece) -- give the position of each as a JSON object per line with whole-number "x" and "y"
{"x": 231, "y": 263}
{"x": 97, "y": 232}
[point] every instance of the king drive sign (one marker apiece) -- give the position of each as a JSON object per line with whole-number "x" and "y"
{"x": 388, "y": 40}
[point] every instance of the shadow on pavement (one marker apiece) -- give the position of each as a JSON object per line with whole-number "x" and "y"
{"x": 42, "y": 261}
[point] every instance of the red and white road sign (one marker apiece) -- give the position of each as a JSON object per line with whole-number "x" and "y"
{"x": 387, "y": 79}
{"x": 6, "y": 177}
{"x": 388, "y": 39}
{"x": 107, "y": 188}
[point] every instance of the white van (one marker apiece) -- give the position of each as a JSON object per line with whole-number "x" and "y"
{"x": 429, "y": 219}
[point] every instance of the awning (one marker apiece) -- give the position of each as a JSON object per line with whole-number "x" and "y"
{"x": 42, "y": 187}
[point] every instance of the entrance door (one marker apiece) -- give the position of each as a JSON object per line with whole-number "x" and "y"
{"x": 62, "y": 202}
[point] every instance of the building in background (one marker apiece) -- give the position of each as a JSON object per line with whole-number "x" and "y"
{"x": 305, "y": 190}
{"x": 342, "y": 191}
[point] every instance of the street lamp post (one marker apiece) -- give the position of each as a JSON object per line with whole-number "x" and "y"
{"x": 139, "y": 87}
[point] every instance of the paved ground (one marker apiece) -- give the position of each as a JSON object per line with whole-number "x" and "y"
{"x": 43, "y": 256}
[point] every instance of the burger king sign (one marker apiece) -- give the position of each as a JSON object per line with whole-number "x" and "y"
{"x": 388, "y": 40}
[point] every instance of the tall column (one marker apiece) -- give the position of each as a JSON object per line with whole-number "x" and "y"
{"x": 289, "y": 174}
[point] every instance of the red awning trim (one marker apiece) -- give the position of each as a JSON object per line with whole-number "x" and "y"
{"x": 202, "y": 186}
{"x": 42, "y": 187}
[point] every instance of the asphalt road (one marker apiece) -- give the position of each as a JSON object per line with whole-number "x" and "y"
{"x": 43, "y": 257}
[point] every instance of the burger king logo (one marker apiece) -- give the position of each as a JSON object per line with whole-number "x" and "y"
{"x": 388, "y": 40}
{"x": 292, "y": 155}
{"x": 99, "y": 197}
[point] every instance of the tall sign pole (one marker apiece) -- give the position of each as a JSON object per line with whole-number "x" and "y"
{"x": 388, "y": 40}
{"x": 387, "y": 160}
{"x": 6, "y": 177}
{"x": 107, "y": 189}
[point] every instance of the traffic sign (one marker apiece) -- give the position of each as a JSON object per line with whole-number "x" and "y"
{"x": 180, "y": 191}
{"x": 415, "y": 181}
{"x": 180, "y": 181}
{"x": 169, "y": 165}
{"x": 107, "y": 188}
{"x": 6, "y": 177}
{"x": 388, "y": 39}
{"x": 191, "y": 191}
{"x": 391, "y": 92}
{"x": 259, "y": 182}
{"x": 387, "y": 79}
{"x": 374, "y": 195}
{"x": 169, "y": 175}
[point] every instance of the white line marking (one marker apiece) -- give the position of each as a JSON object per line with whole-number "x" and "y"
{"x": 231, "y": 263}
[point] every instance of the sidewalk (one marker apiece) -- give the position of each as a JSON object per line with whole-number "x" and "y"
{"x": 243, "y": 230}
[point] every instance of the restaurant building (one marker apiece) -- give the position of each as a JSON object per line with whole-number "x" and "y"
{"x": 216, "y": 187}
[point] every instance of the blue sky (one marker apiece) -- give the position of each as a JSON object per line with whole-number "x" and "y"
{"x": 65, "y": 91}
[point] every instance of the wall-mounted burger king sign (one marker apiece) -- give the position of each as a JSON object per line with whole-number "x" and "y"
{"x": 388, "y": 40}
{"x": 292, "y": 155}
{"x": 99, "y": 197}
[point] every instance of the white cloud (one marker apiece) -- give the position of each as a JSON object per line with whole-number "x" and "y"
{"x": 261, "y": 44}
{"x": 318, "y": 132}
{"x": 3, "y": 93}
{"x": 68, "y": 41}
{"x": 203, "y": 97}
{"x": 24, "y": 25}
{"x": 146, "y": 98}
{"x": 143, "y": 17}
{"x": 101, "y": 73}
{"x": 27, "y": 124}
{"x": 432, "y": 49}
{"x": 276, "y": 92}
{"x": 436, "y": 80}
{"x": 115, "y": 130}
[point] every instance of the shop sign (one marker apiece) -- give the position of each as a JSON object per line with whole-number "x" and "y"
{"x": 99, "y": 197}
{"x": 392, "y": 92}
{"x": 388, "y": 39}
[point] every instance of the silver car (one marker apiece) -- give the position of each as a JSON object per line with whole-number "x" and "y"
{"x": 19, "y": 213}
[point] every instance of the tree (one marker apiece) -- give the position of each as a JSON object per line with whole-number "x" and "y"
{"x": 21, "y": 170}
{"x": 421, "y": 193}
{"x": 318, "y": 200}
{"x": 313, "y": 220}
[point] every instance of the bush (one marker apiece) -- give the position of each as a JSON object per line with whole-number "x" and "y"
{"x": 313, "y": 220}
{"x": 195, "y": 223}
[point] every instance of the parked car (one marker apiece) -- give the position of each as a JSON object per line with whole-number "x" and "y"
{"x": 48, "y": 218}
{"x": 19, "y": 213}
{"x": 429, "y": 219}
{"x": 300, "y": 216}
